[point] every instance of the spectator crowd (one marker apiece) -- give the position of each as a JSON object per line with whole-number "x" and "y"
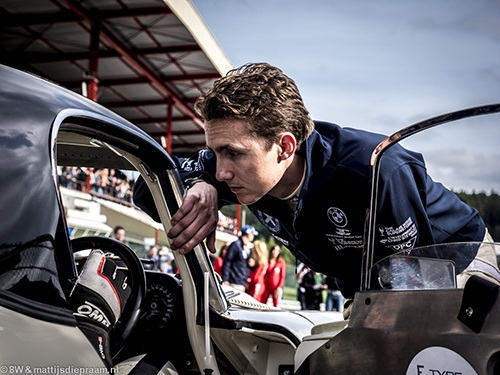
{"x": 248, "y": 266}
{"x": 110, "y": 183}
{"x": 227, "y": 224}
{"x": 160, "y": 258}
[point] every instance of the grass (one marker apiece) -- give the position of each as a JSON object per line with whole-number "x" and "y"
{"x": 290, "y": 293}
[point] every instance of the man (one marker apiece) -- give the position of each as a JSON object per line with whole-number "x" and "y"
{"x": 165, "y": 259}
{"x": 334, "y": 300}
{"x": 301, "y": 270}
{"x": 119, "y": 233}
{"x": 235, "y": 268}
{"x": 308, "y": 182}
{"x": 312, "y": 291}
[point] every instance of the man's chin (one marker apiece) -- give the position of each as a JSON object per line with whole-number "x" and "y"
{"x": 246, "y": 200}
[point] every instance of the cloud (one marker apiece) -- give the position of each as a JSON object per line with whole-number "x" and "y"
{"x": 379, "y": 66}
{"x": 464, "y": 169}
{"x": 14, "y": 140}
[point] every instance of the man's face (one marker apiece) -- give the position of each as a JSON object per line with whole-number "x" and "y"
{"x": 242, "y": 160}
{"x": 249, "y": 237}
{"x": 120, "y": 235}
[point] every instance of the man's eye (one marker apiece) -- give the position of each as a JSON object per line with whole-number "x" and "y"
{"x": 232, "y": 154}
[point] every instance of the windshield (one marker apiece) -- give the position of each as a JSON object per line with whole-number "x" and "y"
{"x": 428, "y": 267}
{"x": 431, "y": 199}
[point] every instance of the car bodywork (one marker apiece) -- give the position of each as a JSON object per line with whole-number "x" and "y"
{"x": 191, "y": 323}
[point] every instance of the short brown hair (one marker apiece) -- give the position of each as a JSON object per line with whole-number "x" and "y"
{"x": 261, "y": 95}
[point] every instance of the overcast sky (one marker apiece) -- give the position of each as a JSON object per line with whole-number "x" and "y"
{"x": 381, "y": 65}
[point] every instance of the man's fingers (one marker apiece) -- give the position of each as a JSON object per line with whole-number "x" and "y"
{"x": 186, "y": 221}
{"x": 186, "y": 207}
{"x": 200, "y": 200}
{"x": 193, "y": 239}
{"x": 211, "y": 242}
{"x": 195, "y": 220}
{"x": 194, "y": 226}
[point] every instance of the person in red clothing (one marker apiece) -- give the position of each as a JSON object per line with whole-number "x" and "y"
{"x": 220, "y": 259}
{"x": 274, "y": 278}
{"x": 258, "y": 267}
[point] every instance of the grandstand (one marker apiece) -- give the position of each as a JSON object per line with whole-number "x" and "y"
{"x": 148, "y": 61}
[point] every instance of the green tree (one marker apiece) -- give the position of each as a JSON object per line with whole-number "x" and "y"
{"x": 488, "y": 206}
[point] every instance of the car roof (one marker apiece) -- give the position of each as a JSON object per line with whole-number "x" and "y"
{"x": 34, "y": 114}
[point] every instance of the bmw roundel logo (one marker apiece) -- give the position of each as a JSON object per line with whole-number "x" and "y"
{"x": 337, "y": 217}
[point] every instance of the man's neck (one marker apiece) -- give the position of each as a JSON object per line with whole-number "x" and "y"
{"x": 291, "y": 178}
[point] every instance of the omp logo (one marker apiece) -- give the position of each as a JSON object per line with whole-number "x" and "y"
{"x": 101, "y": 348}
{"x": 91, "y": 311}
{"x": 337, "y": 217}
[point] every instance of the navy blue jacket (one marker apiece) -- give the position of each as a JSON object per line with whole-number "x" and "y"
{"x": 326, "y": 230}
{"x": 235, "y": 265}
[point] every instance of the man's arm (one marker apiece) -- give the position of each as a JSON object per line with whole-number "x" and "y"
{"x": 195, "y": 220}
{"x": 197, "y": 217}
{"x": 144, "y": 200}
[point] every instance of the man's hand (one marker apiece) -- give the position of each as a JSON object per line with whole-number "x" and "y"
{"x": 195, "y": 220}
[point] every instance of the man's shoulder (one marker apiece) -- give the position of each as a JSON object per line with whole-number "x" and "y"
{"x": 235, "y": 245}
{"x": 339, "y": 142}
{"x": 330, "y": 129}
{"x": 197, "y": 162}
{"x": 352, "y": 146}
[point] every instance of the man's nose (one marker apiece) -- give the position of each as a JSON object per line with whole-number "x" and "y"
{"x": 223, "y": 171}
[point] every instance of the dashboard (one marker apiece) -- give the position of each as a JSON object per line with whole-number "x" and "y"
{"x": 163, "y": 301}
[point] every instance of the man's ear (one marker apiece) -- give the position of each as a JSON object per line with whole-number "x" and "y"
{"x": 288, "y": 145}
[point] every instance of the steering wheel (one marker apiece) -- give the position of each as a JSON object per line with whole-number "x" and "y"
{"x": 137, "y": 281}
